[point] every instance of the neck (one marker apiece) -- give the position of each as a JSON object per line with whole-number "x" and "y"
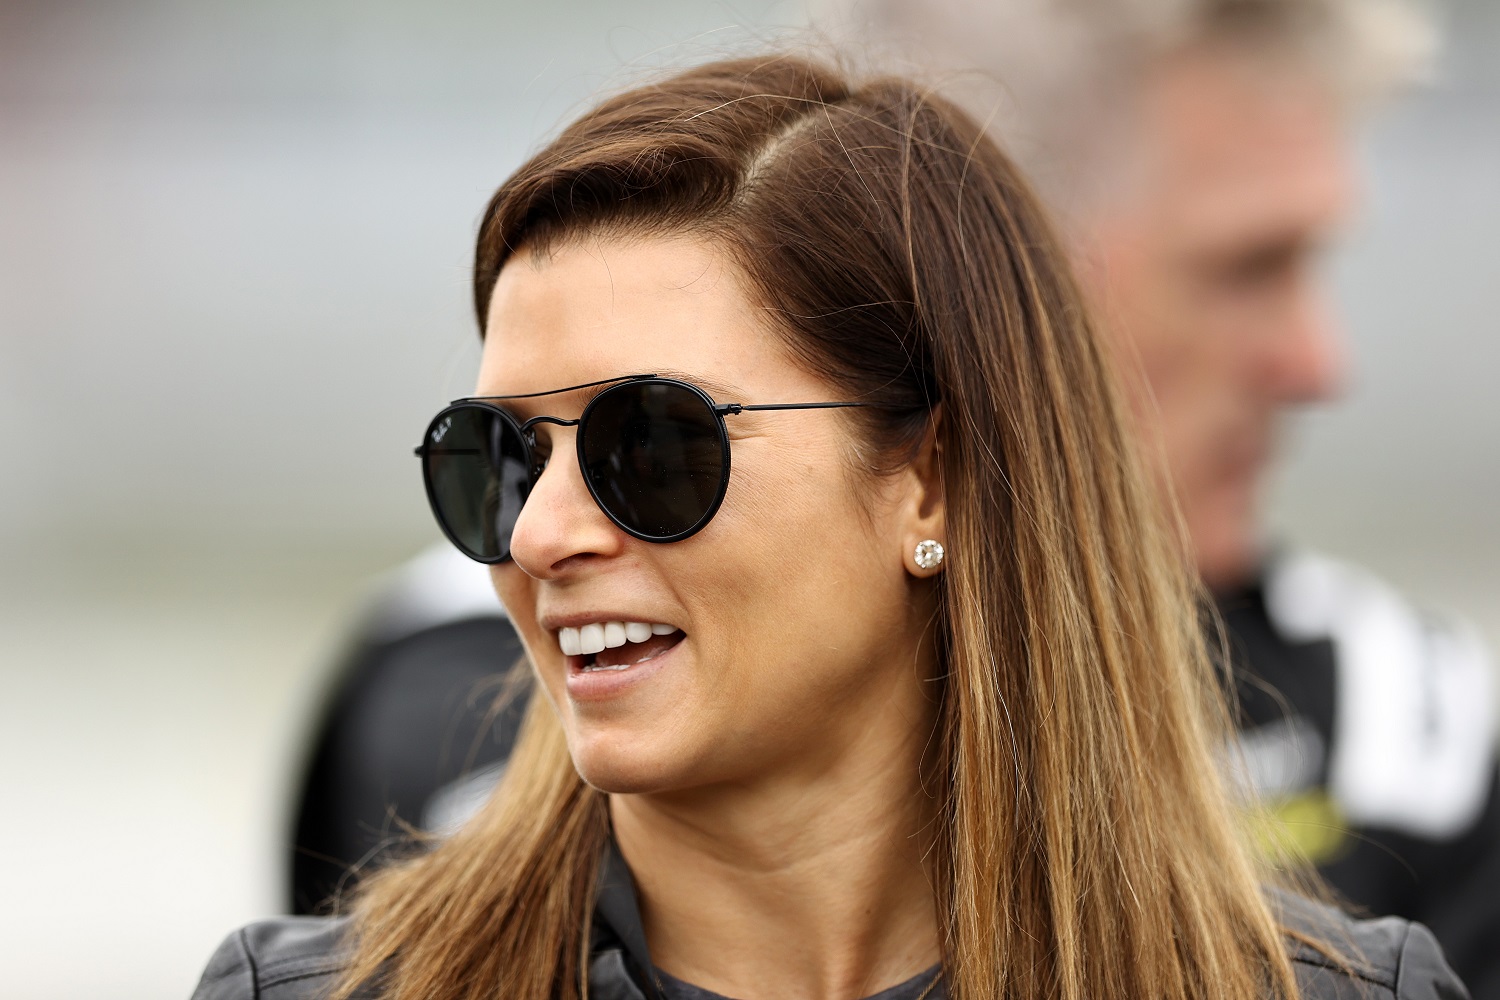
{"x": 809, "y": 884}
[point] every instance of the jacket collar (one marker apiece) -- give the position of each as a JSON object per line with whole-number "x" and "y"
{"x": 617, "y": 921}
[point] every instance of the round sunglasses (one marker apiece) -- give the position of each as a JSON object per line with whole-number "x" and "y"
{"x": 654, "y": 452}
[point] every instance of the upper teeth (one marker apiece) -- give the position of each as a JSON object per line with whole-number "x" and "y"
{"x": 587, "y": 640}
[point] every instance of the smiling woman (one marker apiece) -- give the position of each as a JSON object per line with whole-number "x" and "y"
{"x": 867, "y": 666}
{"x": 771, "y": 651}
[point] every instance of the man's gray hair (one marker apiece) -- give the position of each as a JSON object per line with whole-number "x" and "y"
{"x": 1052, "y": 75}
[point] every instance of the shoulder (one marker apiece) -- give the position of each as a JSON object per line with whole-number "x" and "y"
{"x": 289, "y": 958}
{"x": 1383, "y": 959}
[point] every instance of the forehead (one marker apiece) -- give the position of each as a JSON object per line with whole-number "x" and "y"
{"x": 1232, "y": 144}
{"x": 590, "y": 308}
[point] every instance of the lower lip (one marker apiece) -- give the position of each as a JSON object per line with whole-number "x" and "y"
{"x": 602, "y": 685}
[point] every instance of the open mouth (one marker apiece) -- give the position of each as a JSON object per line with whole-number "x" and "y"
{"x": 613, "y": 646}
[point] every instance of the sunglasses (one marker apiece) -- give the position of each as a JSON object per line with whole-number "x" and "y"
{"x": 654, "y": 452}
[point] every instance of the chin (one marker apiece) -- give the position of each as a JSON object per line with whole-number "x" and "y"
{"x": 1228, "y": 573}
{"x": 1229, "y": 560}
{"x": 1227, "y": 541}
{"x": 625, "y": 764}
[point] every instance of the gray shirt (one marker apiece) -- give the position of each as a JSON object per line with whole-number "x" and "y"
{"x": 915, "y": 987}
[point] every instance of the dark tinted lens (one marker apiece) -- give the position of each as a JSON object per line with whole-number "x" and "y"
{"x": 477, "y": 479}
{"x": 655, "y": 458}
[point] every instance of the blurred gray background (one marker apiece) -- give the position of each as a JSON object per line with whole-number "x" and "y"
{"x": 234, "y": 242}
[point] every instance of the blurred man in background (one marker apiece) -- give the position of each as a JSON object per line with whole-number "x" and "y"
{"x": 1196, "y": 155}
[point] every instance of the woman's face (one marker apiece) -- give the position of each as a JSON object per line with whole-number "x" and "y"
{"x": 795, "y": 616}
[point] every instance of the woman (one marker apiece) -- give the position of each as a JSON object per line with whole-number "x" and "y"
{"x": 912, "y": 703}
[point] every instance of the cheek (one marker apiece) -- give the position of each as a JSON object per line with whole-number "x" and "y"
{"x": 515, "y": 590}
{"x": 791, "y": 518}
{"x": 802, "y": 569}
{"x": 517, "y": 593}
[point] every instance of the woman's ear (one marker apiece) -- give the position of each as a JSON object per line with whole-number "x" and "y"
{"x": 924, "y": 510}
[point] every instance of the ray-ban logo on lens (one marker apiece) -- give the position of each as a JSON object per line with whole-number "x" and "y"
{"x": 441, "y": 429}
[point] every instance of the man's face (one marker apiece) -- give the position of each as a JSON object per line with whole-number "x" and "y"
{"x": 1203, "y": 272}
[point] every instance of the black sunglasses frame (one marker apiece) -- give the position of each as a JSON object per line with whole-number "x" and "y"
{"x": 527, "y": 438}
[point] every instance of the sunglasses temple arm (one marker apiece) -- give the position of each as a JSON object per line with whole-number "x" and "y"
{"x": 732, "y": 408}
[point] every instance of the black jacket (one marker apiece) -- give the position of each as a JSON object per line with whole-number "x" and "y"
{"x": 299, "y": 958}
{"x": 1368, "y": 727}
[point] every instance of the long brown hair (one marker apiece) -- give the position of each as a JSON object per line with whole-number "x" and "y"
{"x": 1086, "y": 846}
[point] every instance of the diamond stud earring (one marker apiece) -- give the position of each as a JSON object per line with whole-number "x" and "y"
{"x": 929, "y": 554}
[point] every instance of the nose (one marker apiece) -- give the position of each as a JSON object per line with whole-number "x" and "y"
{"x": 560, "y": 527}
{"x": 1307, "y": 361}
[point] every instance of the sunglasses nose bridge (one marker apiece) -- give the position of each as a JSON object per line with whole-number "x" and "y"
{"x": 528, "y": 427}
{"x": 559, "y": 421}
